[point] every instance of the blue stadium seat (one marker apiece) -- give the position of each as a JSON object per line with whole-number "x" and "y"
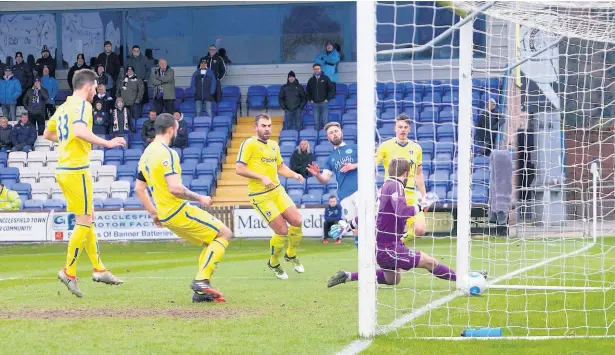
{"x": 429, "y": 114}
{"x": 308, "y": 121}
{"x": 33, "y": 205}
{"x": 441, "y": 191}
{"x": 481, "y": 160}
{"x": 54, "y": 204}
{"x": 132, "y": 155}
{"x": 179, "y": 151}
{"x": 114, "y": 157}
{"x": 332, "y": 184}
{"x": 352, "y": 90}
{"x": 322, "y": 137}
{"x": 231, "y": 91}
{"x": 187, "y": 108}
{"x": 309, "y": 134}
{"x": 379, "y": 181}
{"x": 293, "y": 184}
{"x": 313, "y": 184}
{"x": 381, "y": 89}
{"x": 273, "y": 92}
{"x": 3, "y": 159}
{"x": 451, "y": 195}
{"x": 61, "y": 96}
{"x": 211, "y": 154}
{"x": 197, "y": 139}
{"x": 24, "y": 190}
{"x": 139, "y": 123}
{"x": 341, "y": 90}
{"x": 206, "y": 168}
{"x": 179, "y": 93}
{"x": 126, "y": 172}
{"x": 189, "y": 120}
{"x": 187, "y": 180}
{"x": 192, "y": 154}
{"x": 188, "y": 169}
{"x": 201, "y": 124}
{"x": 349, "y": 118}
{"x": 113, "y": 203}
{"x": 440, "y": 177}
{"x": 98, "y": 203}
{"x": 448, "y": 115}
{"x": 446, "y": 131}
{"x": 350, "y": 134}
{"x": 322, "y": 161}
{"x": 132, "y": 202}
{"x": 289, "y": 136}
{"x": 312, "y": 198}
{"x": 217, "y": 137}
{"x": 480, "y": 194}
{"x": 257, "y": 95}
{"x": 335, "y": 117}
{"x": 201, "y": 186}
{"x": 426, "y": 132}
{"x": 338, "y": 103}
{"x": 188, "y": 93}
{"x": 446, "y": 147}
{"x": 480, "y": 175}
{"x": 227, "y": 108}
{"x": 296, "y": 196}
{"x": 427, "y": 147}
{"x": 223, "y": 122}
{"x": 323, "y": 150}
{"x": 287, "y": 150}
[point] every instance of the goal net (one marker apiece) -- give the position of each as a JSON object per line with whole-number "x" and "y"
{"x": 513, "y": 105}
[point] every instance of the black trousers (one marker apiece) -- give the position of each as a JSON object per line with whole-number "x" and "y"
{"x": 327, "y": 227}
{"x": 39, "y": 121}
{"x": 168, "y": 106}
{"x": 51, "y": 109}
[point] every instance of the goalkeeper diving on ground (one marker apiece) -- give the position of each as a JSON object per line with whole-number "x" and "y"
{"x": 391, "y": 253}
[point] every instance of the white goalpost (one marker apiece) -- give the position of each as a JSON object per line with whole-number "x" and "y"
{"x": 531, "y": 80}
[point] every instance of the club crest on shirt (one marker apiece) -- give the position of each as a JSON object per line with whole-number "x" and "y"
{"x": 268, "y": 213}
{"x": 165, "y": 163}
{"x": 349, "y": 151}
{"x": 395, "y": 196}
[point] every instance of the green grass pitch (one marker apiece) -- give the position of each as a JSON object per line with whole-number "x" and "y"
{"x": 152, "y": 312}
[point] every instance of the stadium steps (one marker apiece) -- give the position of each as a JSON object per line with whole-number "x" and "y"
{"x": 233, "y": 189}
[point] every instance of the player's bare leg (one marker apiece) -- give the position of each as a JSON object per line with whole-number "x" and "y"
{"x": 277, "y": 242}
{"x": 295, "y": 233}
{"x": 208, "y": 261}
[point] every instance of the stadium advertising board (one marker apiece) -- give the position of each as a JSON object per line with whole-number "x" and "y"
{"x": 249, "y": 224}
{"x": 23, "y": 227}
{"x": 112, "y": 225}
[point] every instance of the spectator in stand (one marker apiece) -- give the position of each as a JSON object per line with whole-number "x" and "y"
{"x": 9, "y": 199}
{"x": 319, "y": 91}
{"x": 6, "y": 131}
{"x": 141, "y": 67}
{"x": 80, "y": 64}
{"x": 131, "y": 89}
{"x": 222, "y": 54}
{"x": 148, "y": 131}
{"x": 487, "y": 128}
{"x": 35, "y": 102}
{"x": 23, "y": 73}
{"x": 24, "y": 135}
{"x": 163, "y": 80}
{"x": 100, "y": 119}
{"x": 110, "y": 61}
{"x": 51, "y": 84}
{"x": 181, "y": 140}
{"x": 121, "y": 121}
{"x": 204, "y": 85}
{"x": 301, "y": 158}
{"x": 333, "y": 214}
{"x": 104, "y": 78}
{"x": 292, "y": 100}
{"x": 215, "y": 62}
{"x": 149, "y": 54}
{"x": 10, "y": 90}
{"x": 328, "y": 60}
{"x": 46, "y": 60}
{"x": 103, "y": 96}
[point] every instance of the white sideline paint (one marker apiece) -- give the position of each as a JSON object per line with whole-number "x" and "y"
{"x": 358, "y": 346}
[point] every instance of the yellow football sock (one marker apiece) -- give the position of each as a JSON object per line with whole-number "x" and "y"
{"x": 294, "y": 238}
{"x": 91, "y": 247}
{"x": 277, "y": 244}
{"x": 210, "y": 256}
{"x": 75, "y": 248}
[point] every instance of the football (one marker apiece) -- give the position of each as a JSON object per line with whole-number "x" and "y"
{"x": 476, "y": 284}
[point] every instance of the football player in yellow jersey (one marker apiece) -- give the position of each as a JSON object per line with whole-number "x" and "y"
{"x": 260, "y": 161}
{"x": 159, "y": 170}
{"x": 402, "y": 147}
{"x": 71, "y": 127}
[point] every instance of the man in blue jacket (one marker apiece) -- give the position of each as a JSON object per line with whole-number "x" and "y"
{"x": 328, "y": 60}
{"x": 24, "y": 135}
{"x": 204, "y": 86}
{"x": 51, "y": 84}
{"x": 10, "y": 90}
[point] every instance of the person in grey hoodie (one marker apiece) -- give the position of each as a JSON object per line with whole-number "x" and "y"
{"x": 131, "y": 89}
{"x": 141, "y": 67}
{"x": 163, "y": 80}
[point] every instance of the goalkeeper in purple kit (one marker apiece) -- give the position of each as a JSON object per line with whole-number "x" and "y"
{"x": 391, "y": 254}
